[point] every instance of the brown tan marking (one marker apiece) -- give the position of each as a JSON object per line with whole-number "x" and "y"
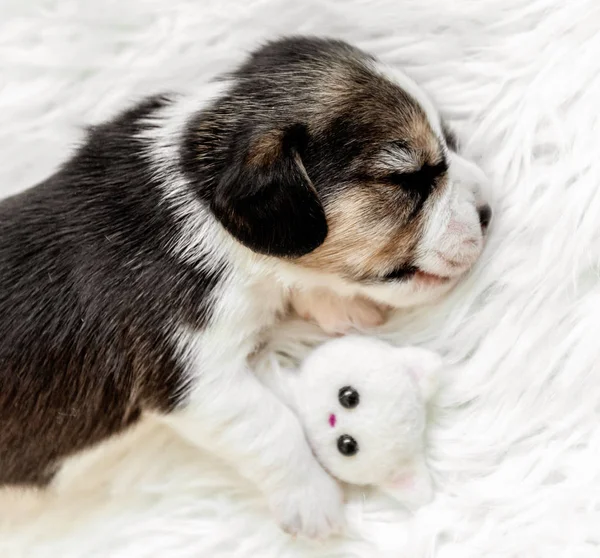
{"x": 265, "y": 150}
{"x": 368, "y": 234}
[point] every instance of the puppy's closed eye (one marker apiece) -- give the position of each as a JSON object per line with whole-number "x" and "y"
{"x": 420, "y": 182}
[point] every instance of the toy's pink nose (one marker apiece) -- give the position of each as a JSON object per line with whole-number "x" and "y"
{"x": 332, "y": 420}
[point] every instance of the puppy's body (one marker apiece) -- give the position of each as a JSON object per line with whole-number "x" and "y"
{"x": 137, "y": 278}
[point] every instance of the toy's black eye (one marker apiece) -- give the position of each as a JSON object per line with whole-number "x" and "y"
{"x": 347, "y": 445}
{"x": 348, "y": 397}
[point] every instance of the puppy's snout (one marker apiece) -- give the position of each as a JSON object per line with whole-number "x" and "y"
{"x": 485, "y": 216}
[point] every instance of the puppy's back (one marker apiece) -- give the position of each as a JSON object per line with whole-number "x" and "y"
{"x": 87, "y": 287}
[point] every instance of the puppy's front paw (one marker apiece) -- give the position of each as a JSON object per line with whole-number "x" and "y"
{"x": 314, "y": 509}
{"x": 336, "y": 314}
{"x": 362, "y": 313}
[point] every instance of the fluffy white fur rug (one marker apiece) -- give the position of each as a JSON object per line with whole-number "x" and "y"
{"x": 515, "y": 436}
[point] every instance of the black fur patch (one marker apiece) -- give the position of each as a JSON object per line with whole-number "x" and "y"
{"x": 271, "y": 206}
{"x": 88, "y": 290}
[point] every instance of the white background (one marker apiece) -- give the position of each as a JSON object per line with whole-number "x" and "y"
{"x": 515, "y": 437}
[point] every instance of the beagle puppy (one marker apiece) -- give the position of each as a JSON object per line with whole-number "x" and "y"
{"x": 136, "y": 280}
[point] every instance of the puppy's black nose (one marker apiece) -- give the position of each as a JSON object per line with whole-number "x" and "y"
{"x": 485, "y": 215}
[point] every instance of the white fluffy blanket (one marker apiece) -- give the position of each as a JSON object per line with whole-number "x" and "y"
{"x": 515, "y": 437}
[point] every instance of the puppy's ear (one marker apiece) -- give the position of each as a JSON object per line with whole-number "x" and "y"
{"x": 266, "y": 200}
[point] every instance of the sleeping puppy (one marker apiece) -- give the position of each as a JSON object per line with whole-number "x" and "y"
{"x": 135, "y": 280}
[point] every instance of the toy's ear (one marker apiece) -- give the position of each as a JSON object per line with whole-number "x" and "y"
{"x": 411, "y": 485}
{"x": 266, "y": 200}
{"x": 424, "y": 366}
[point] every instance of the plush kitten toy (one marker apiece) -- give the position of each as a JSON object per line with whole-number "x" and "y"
{"x": 363, "y": 406}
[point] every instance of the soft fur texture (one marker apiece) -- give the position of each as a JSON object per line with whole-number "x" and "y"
{"x": 514, "y": 445}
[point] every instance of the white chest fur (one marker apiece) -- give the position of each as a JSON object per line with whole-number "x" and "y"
{"x": 242, "y": 309}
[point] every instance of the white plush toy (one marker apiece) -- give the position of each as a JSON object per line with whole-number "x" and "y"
{"x": 363, "y": 406}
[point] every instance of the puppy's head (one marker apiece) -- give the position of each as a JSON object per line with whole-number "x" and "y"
{"x": 341, "y": 167}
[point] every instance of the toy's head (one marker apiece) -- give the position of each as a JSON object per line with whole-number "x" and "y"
{"x": 363, "y": 406}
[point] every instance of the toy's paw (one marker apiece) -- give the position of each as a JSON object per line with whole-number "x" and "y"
{"x": 337, "y": 315}
{"x": 314, "y": 509}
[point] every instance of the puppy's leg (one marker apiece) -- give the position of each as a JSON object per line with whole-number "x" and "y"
{"x": 336, "y": 314}
{"x": 236, "y": 417}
